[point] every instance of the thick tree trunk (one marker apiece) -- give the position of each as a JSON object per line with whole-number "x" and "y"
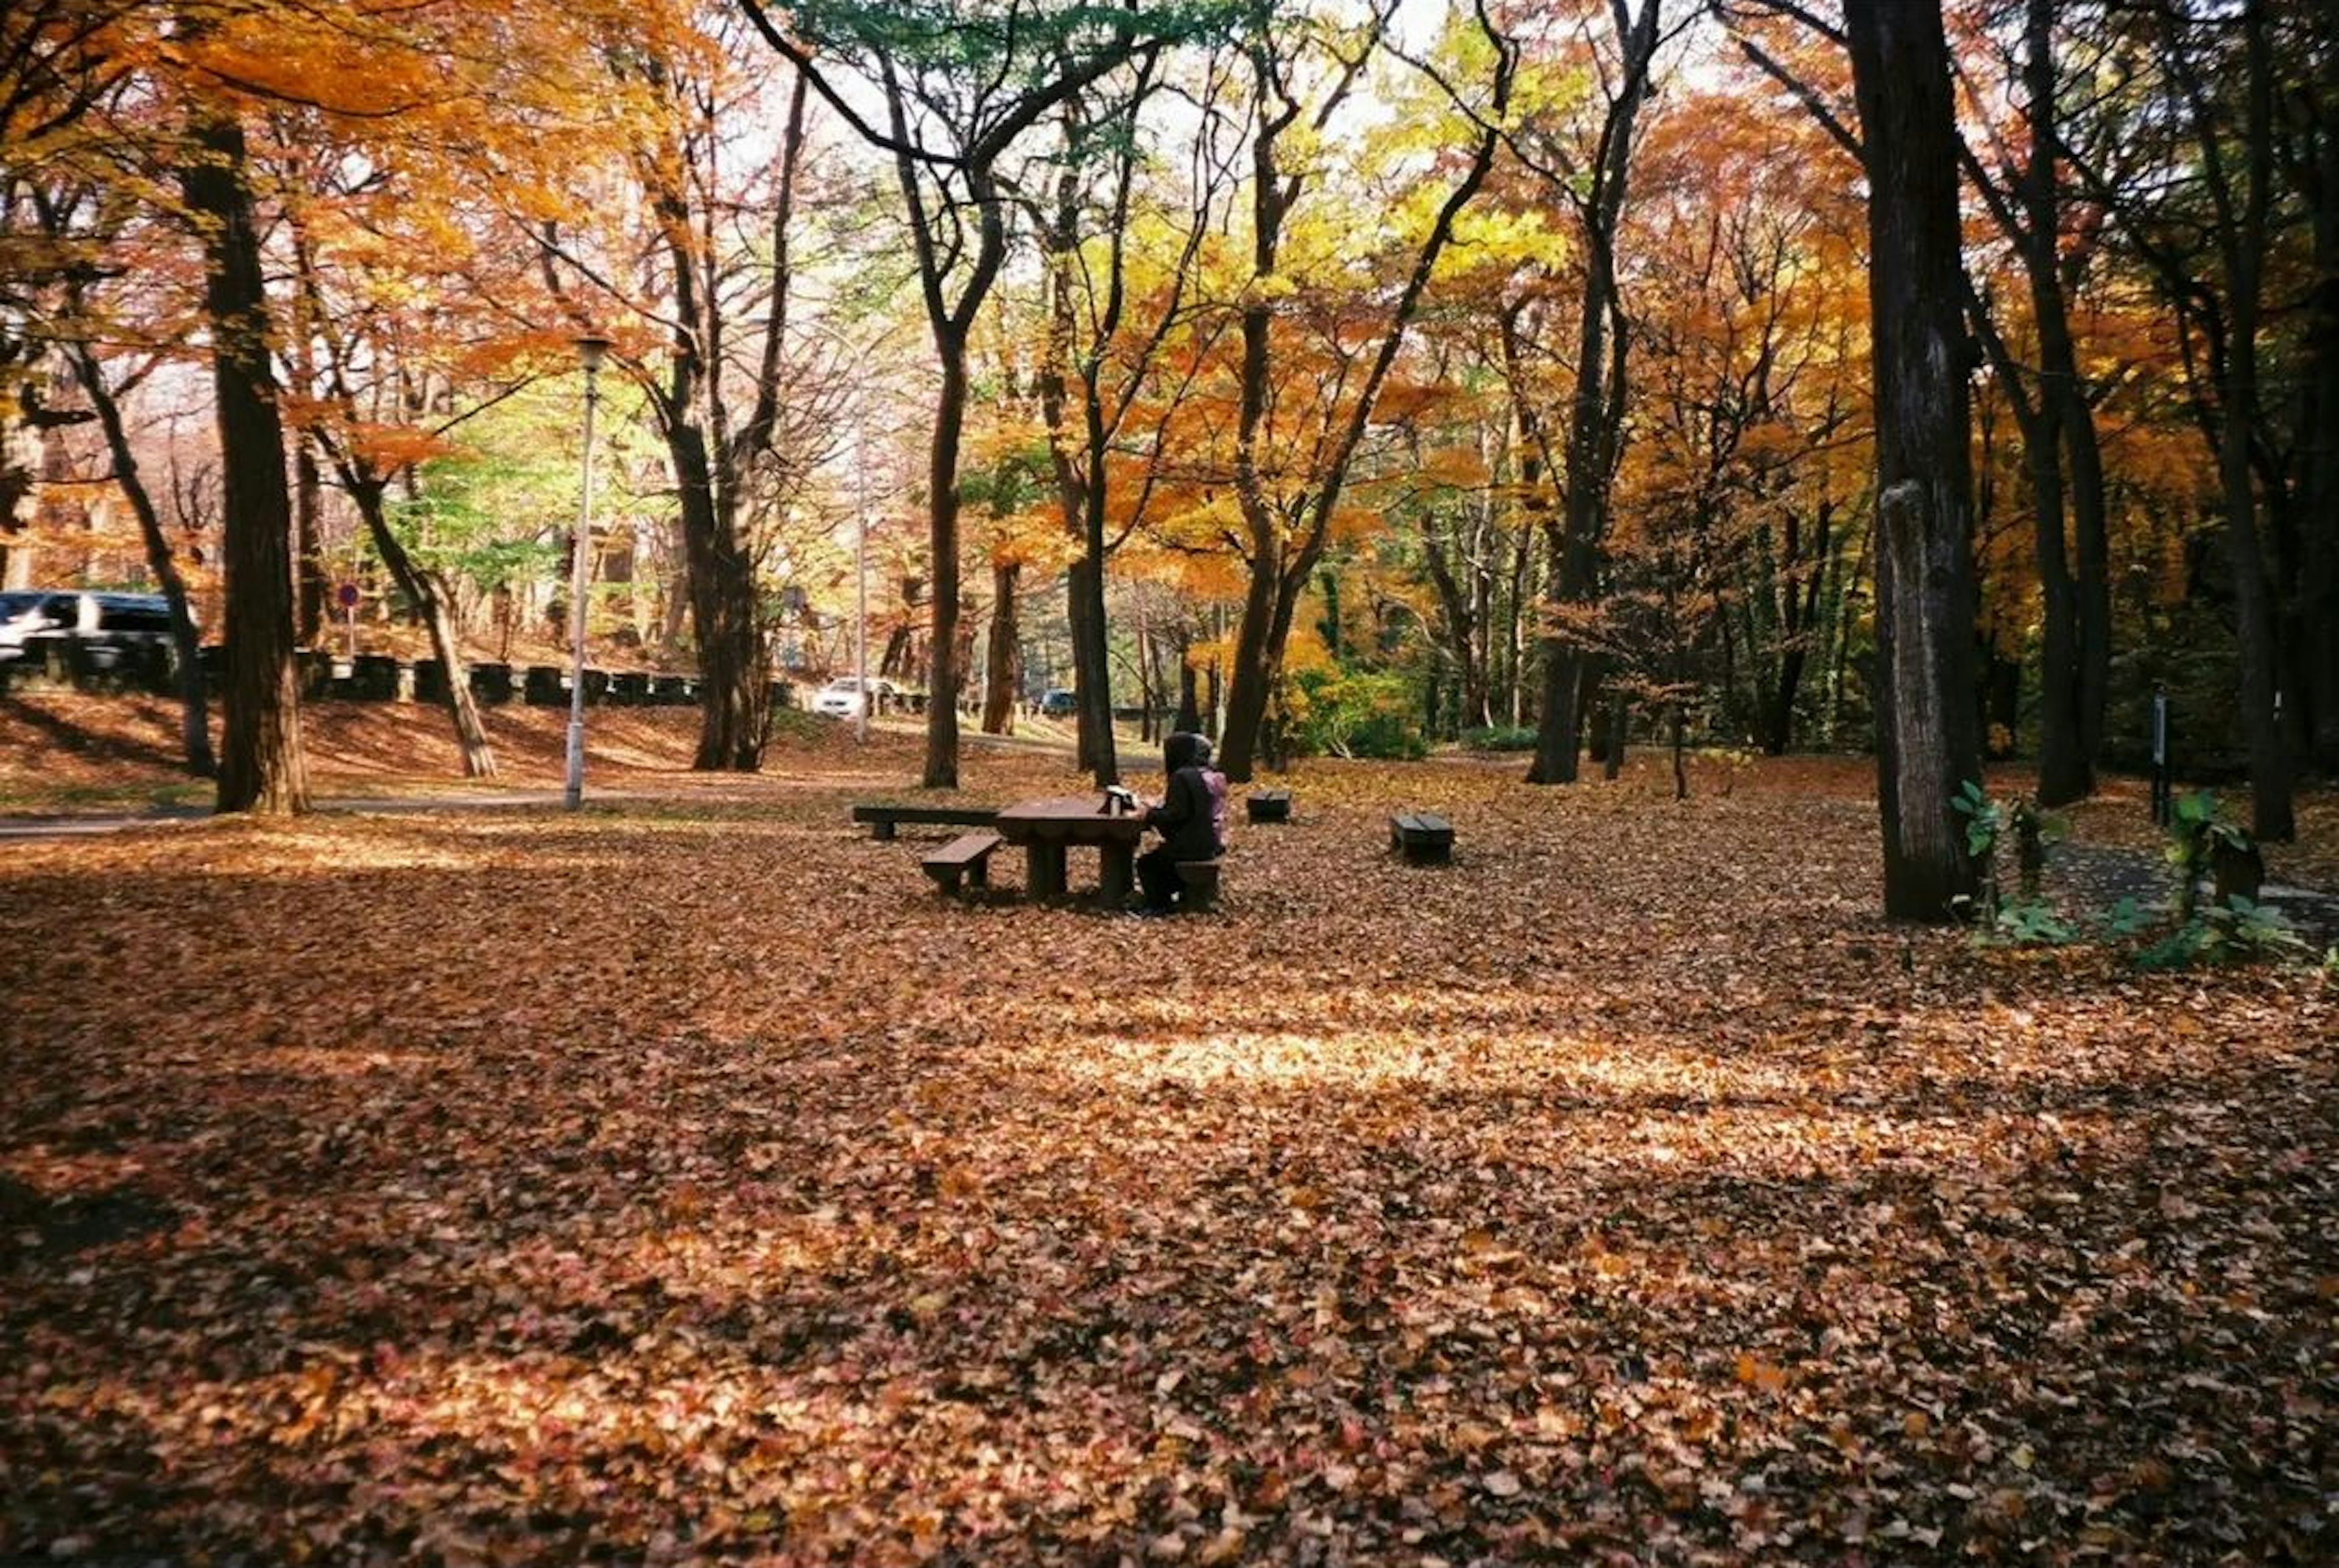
{"x": 941, "y": 535}
{"x": 262, "y": 769}
{"x": 2255, "y": 609}
{"x": 1092, "y": 669}
{"x": 1927, "y": 732}
{"x": 1004, "y": 663}
{"x": 2075, "y": 661}
{"x": 733, "y": 689}
{"x": 2317, "y": 609}
{"x": 194, "y": 722}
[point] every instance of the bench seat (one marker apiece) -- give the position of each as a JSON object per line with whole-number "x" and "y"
{"x": 1198, "y": 885}
{"x": 1423, "y": 837}
{"x": 967, "y": 856}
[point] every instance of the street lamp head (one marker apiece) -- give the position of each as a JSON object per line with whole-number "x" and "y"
{"x": 592, "y": 349}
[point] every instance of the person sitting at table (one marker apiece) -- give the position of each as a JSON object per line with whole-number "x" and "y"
{"x": 1191, "y": 819}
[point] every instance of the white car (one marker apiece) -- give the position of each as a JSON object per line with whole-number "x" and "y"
{"x": 841, "y": 698}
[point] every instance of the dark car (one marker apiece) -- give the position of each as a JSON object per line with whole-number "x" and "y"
{"x": 1058, "y": 703}
{"x": 109, "y": 630}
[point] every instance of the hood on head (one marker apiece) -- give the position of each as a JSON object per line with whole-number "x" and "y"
{"x": 1184, "y": 748}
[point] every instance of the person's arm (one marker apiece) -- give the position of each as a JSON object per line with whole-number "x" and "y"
{"x": 1177, "y": 805}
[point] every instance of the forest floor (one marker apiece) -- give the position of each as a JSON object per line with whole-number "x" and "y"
{"x": 684, "y": 1178}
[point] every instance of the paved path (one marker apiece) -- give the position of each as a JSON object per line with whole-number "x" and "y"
{"x": 2097, "y": 876}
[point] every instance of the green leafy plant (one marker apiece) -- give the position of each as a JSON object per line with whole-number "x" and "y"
{"x": 2198, "y": 835}
{"x": 2033, "y": 923}
{"x": 1499, "y": 738}
{"x": 2027, "y": 919}
{"x": 2242, "y": 928}
{"x": 2127, "y": 918}
{"x": 1357, "y": 714}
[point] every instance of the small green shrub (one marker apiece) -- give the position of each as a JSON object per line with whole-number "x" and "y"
{"x": 1499, "y": 738}
{"x": 2027, "y": 919}
{"x": 1357, "y": 715}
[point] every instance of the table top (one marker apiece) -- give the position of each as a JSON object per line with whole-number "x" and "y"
{"x": 1072, "y": 819}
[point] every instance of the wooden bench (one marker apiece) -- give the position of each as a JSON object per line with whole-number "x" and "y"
{"x": 967, "y": 855}
{"x": 1198, "y": 881}
{"x": 1267, "y": 805}
{"x": 882, "y": 819}
{"x": 1423, "y": 836}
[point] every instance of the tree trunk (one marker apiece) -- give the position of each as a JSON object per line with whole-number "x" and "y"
{"x": 1091, "y": 668}
{"x": 1595, "y": 425}
{"x": 942, "y": 537}
{"x": 1004, "y": 663}
{"x": 194, "y": 723}
{"x": 733, "y": 688}
{"x": 433, "y": 600}
{"x": 1927, "y": 733}
{"x": 309, "y": 496}
{"x": 2271, "y": 815}
{"x": 2075, "y": 657}
{"x": 2318, "y": 512}
{"x": 262, "y": 769}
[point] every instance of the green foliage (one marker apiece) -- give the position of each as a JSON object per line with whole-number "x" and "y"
{"x": 1499, "y": 738}
{"x": 2197, "y": 830}
{"x": 2033, "y": 923}
{"x": 2027, "y": 919}
{"x": 1985, "y": 819}
{"x": 2236, "y": 932}
{"x": 1357, "y": 714}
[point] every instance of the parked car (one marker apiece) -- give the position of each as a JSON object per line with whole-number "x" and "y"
{"x": 842, "y": 699}
{"x": 111, "y": 629}
{"x": 1058, "y": 703}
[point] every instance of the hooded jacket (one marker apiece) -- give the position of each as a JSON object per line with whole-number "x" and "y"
{"x": 1192, "y": 816}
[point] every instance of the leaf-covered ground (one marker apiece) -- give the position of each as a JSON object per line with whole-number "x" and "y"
{"x": 686, "y": 1180}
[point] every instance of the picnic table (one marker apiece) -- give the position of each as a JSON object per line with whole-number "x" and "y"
{"x": 1045, "y": 829}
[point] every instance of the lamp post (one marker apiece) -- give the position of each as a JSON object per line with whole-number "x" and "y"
{"x": 591, "y": 350}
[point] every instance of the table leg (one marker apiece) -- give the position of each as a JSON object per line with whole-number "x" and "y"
{"x": 1116, "y": 865}
{"x": 1044, "y": 876}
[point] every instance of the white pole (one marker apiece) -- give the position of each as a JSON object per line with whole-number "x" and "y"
{"x": 575, "y": 796}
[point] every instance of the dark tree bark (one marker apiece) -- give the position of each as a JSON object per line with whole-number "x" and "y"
{"x": 2062, "y": 458}
{"x": 2244, "y": 241}
{"x": 262, "y": 769}
{"x": 2317, "y": 609}
{"x": 1928, "y": 734}
{"x": 1003, "y": 666}
{"x": 1596, "y": 408}
{"x": 194, "y": 720}
{"x": 2209, "y": 250}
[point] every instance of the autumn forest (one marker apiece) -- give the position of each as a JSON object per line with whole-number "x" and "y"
{"x": 1830, "y": 507}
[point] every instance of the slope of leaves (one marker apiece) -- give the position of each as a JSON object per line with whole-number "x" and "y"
{"x": 686, "y": 1180}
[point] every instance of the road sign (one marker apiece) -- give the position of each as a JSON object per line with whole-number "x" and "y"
{"x": 346, "y": 596}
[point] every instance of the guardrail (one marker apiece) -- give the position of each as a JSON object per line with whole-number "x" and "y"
{"x": 73, "y": 663}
